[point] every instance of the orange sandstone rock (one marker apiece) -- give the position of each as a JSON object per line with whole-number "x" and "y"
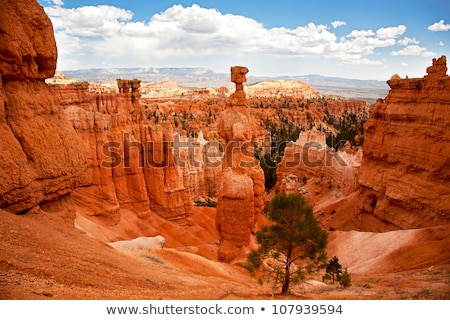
{"x": 130, "y": 160}
{"x": 317, "y": 171}
{"x": 406, "y": 168}
{"x": 28, "y": 49}
{"x": 240, "y": 199}
{"x": 41, "y": 158}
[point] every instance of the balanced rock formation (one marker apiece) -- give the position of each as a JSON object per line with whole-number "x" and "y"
{"x": 41, "y": 159}
{"x": 405, "y": 171}
{"x": 240, "y": 199}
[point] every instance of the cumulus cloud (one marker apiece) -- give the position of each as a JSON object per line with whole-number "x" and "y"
{"x": 413, "y": 50}
{"x": 439, "y": 26}
{"x": 407, "y": 41}
{"x": 89, "y": 21}
{"x": 365, "y": 42}
{"x": 390, "y": 32}
{"x": 108, "y": 33}
{"x": 360, "y": 33}
{"x": 338, "y": 23}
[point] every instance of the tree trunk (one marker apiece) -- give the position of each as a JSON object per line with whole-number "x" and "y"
{"x": 287, "y": 271}
{"x": 285, "y": 287}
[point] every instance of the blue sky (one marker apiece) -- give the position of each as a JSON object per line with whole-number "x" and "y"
{"x": 350, "y": 39}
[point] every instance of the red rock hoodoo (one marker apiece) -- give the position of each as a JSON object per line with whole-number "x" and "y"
{"x": 240, "y": 199}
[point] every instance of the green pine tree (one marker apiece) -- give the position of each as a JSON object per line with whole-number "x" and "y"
{"x": 345, "y": 279}
{"x": 334, "y": 268}
{"x": 293, "y": 246}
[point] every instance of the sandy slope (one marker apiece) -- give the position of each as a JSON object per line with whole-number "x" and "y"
{"x": 43, "y": 256}
{"x": 369, "y": 253}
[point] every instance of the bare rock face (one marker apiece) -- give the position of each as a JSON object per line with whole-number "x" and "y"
{"x": 28, "y": 49}
{"x": 309, "y": 163}
{"x": 282, "y": 88}
{"x": 41, "y": 158}
{"x": 131, "y": 165}
{"x": 405, "y": 170}
{"x": 240, "y": 199}
{"x": 200, "y": 164}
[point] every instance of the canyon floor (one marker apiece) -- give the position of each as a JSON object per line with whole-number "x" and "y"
{"x": 44, "y": 256}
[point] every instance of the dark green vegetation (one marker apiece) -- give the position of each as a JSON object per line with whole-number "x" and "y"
{"x": 334, "y": 269}
{"x": 292, "y": 247}
{"x": 292, "y": 116}
{"x": 335, "y": 273}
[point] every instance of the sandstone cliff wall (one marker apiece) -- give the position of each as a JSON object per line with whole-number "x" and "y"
{"x": 41, "y": 158}
{"x": 131, "y": 163}
{"x": 405, "y": 171}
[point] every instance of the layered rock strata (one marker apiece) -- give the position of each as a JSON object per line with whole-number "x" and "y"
{"x": 42, "y": 158}
{"x": 240, "y": 196}
{"x": 131, "y": 162}
{"x": 405, "y": 171}
{"x": 309, "y": 163}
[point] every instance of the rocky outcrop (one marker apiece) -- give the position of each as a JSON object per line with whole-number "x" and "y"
{"x": 41, "y": 159}
{"x": 131, "y": 164}
{"x": 240, "y": 196}
{"x": 28, "y": 48}
{"x": 405, "y": 171}
{"x": 282, "y": 88}
{"x": 310, "y": 167}
{"x": 200, "y": 164}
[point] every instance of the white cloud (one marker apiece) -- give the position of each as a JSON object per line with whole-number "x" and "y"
{"x": 441, "y": 43}
{"x": 439, "y": 26}
{"x": 338, "y": 23}
{"x": 407, "y": 41}
{"x": 360, "y": 33}
{"x": 360, "y": 43}
{"x": 89, "y": 21}
{"x": 107, "y": 34}
{"x": 413, "y": 50}
{"x": 390, "y": 32}
{"x": 429, "y": 54}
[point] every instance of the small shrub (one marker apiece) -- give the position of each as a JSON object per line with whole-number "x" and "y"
{"x": 326, "y": 277}
{"x": 345, "y": 279}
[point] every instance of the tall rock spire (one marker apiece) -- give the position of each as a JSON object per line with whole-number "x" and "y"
{"x": 240, "y": 198}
